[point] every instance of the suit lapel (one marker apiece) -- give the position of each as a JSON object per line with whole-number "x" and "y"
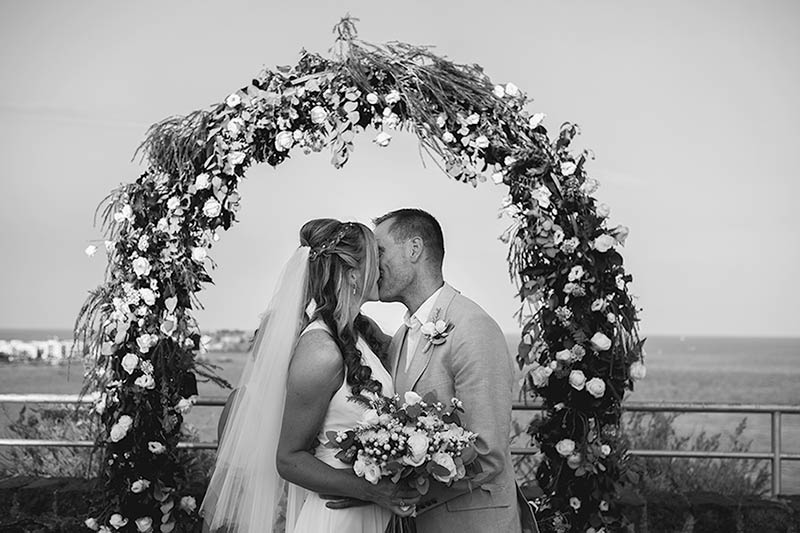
{"x": 422, "y": 359}
{"x": 395, "y": 352}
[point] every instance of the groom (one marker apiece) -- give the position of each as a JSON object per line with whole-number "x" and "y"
{"x": 473, "y": 365}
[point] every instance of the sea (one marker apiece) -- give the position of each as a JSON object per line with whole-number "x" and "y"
{"x": 746, "y": 370}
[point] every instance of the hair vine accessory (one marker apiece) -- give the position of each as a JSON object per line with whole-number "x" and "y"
{"x": 328, "y": 246}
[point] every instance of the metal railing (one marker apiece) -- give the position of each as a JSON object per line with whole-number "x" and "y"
{"x": 776, "y": 455}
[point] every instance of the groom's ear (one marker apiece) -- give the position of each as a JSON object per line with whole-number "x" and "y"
{"x": 415, "y": 246}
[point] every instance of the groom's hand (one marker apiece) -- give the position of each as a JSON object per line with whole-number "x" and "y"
{"x": 337, "y": 502}
{"x": 384, "y": 493}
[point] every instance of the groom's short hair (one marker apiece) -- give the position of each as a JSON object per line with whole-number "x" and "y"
{"x": 408, "y": 223}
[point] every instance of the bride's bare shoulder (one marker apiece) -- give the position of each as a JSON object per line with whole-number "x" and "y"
{"x": 317, "y": 355}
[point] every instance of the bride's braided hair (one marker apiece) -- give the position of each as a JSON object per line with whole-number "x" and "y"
{"x": 336, "y": 250}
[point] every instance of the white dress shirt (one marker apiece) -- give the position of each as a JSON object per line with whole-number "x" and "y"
{"x": 414, "y": 323}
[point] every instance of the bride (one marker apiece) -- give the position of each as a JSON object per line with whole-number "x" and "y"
{"x": 313, "y": 351}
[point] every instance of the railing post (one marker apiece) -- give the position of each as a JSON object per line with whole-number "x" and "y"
{"x": 776, "y": 453}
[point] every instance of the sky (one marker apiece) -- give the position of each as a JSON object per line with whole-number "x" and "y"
{"x": 690, "y": 107}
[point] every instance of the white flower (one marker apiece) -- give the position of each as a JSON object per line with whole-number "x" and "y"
{"x": 620, "y": 233}
{"x": 473, "y": 119}
{"x": 604, "y": 242}
{"x": 499, "y": 91}
{"x": 126, "y": 213}
{"x": 448, "y": 137}
{"x": 482, "y": 142}
{"x": 575, "y": 503}
{"x": 603, "y": 210}
{"x": 564, "y": 356}
{"x": 169, "y": 324}
{"x": 92, "y": 524}
{"x": 184, "y": 405}
{"x": 565, "y": 447}
{"x": 441, "y": 120}
{"x": 574, "y": 460}
{"x": 202, "y": 181}
{"x": 141, "y": 266}
{"x": 596, "y": 387}
{"x": 569, "y": 288}
{"x": 283, "y": 141}
{"x": 117, "y": 432}
{"x": 140, "y": 485}
{"x": 611, "y": 317}
{"x": 372, "y": 98}
{"x": 100, "y": 406}
{"x": 188, "y": 504}
{"x": 212, "y": 208}
{"x": 541, "y": 375}
{"x": 156, "y": 447}
{"x": 233, "y": 100}
{"x": 318, "y": 114}
{"x": 605, "y": 449}
{"x": 598, "y": 305}
{"x": 109, "y": 246}
{"x": 90, "y": 250}
{"x": 382, "y": 139}
{"x": 105, "y": 529}
{"x": 590, "y": 185}
{"x": 542, "y": 196}
{"x": 445, "y": 460}
{"x": 125, "y": 421}
{"x": 576, "y": 273}
{"x": 428, "y": 329}
{"x": 145, "y": 341}
{"x": 117, "y": 520}
{"x": 365, "y": 467}
{"x": 146, "y": 381}
{"x": 412, "y": 398}
{"x": 535, "y": 120}
{"x": 568, "y": 168}
{"x": 236, "y": 158}
{"x": 393, "y": 97}
{"x": 511, "y": 89}
{"x": 441, "y": 326}
{"x": 199, "y": 254}
{"x": 173, "y": 203}
{"x": 498, "y": 177}
{"x": 235, "y": 126}
{"x": 637, "y": 371}
{"x": 130, "y": 362}
{"x": 370, "y": 417}
{"x": 603, "y": 506}
{"x": 144, "y": 524}
{"x": 417, "y": 444}
{"x": 148, "y": 296}
{"x": 577, "y": 379}
{"x": 600, "y": 342}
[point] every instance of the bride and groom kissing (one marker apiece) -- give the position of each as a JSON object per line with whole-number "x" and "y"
{"x": 314, "y": 350}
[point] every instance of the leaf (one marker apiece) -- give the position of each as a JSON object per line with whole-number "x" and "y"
{"x": 422, "y": 485}
{"x": 430, "y": 397}
{"x": 167, "y": 506}
{"x": 437, "y": 469}
{"x": 469, "y": 455}
{"x": 167, "y": 528}
{"x": 413, "y": 411}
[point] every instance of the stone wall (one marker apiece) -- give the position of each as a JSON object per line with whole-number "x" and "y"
{"x": 60, "y": 505}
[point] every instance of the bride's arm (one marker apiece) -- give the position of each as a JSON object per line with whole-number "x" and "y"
{"x": 315, "y": 374}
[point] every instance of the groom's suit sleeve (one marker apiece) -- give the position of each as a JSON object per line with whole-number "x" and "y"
{"x": 482, "y": 379}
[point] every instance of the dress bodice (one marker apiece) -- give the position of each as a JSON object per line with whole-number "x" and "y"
{"x": 344, "y": 414}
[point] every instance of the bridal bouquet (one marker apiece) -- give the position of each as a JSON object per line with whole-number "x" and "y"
{"x": 410, "y": 443}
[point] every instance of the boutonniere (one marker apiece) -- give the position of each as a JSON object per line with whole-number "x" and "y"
{"x": 436, "y": 331}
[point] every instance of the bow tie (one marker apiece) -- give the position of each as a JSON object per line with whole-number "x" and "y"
{"x": 412, "y": 323}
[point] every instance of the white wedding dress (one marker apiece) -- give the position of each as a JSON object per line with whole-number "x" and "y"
{"x": 343, "y": 415}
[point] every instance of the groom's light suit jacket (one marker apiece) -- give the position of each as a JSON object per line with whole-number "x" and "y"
{"x": 473, "y": 365}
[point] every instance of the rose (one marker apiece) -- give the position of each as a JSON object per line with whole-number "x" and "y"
{"x": 130, "y": 362}
{"x": 90, "y": 250}
{"x": 542, "y": 196}
{"x": 372, "y": 98}
{"x": 541, "y": 376}
{"x": 574, "y": 460}
{"x": 448, "y": 137}
{"x": 568, "y": 168}
{"x": 604, "y": 243}
{"x": 576, "y": 273}
{"x": 367, "y": 468}
{"x": 603, "y": 506}
{"x": 578, "y": 351}
{"x": 577, "y": 379}
{"x": 412, "y": 398}
{"x": 498, "y": 177}
{"x": 156, "y": 448}
{"x": 146, "y": 341}
{"x": 125, "y": 421}
{"x": 144, "y": 524}
{"x": 565, "y": 447}
{"x": 233, "y": 100}
{"x": 511, "y": 89}
{"x": 598, "y": 304}
{"x": 603, "y": 210}
{"x": 188, "y": 504}
{"x": 473, "y": 119}
{"x": 145, "y": 381}
{"x": 605, "y": 449}
{"x": 575, "y": 503}
{"x": 499, "y": 91}
{"x": 535, "y": 120}
{"x": 140, "y": 485}
{"x": 117, "y": 520}
{"x": 184, "y": 405}
{"x": 596, "y": 387}
{"x": 199, "y": 254}
{"x": 283, "y": 141}
{"x": 148, "y": 296}
{"x": 393, "y": 97}
{"x": 318, "y": 114}
{"x": 202, "y": 181}
{"x": 382, "y": 139}
{"x": 590, "y": 185}
{"x": 370, "y": 417}
{"x": 92, "y": 524}
{"x": 428, "y": 329}
{"x": 417, "y": 449}
{"x": 235, "y": 126}
{"x": 236, "y": 158}
{"x": 126, "y": 213}
{"x": 482, "y": 142}
{"x": 441, "y": 326}
{"x": 620, "y": 233}
{"x": 600, "y": 342}
{"x": 564, "y": 356}
{"x": 637, "y": 371}
{"x": 141, "y": 266}
{"x": 445, "y": 460}
{"x": 569, "y": 288}
{"x": 212, "y": 208}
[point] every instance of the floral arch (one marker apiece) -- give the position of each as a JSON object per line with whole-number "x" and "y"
{"x": 580, "y": 349}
